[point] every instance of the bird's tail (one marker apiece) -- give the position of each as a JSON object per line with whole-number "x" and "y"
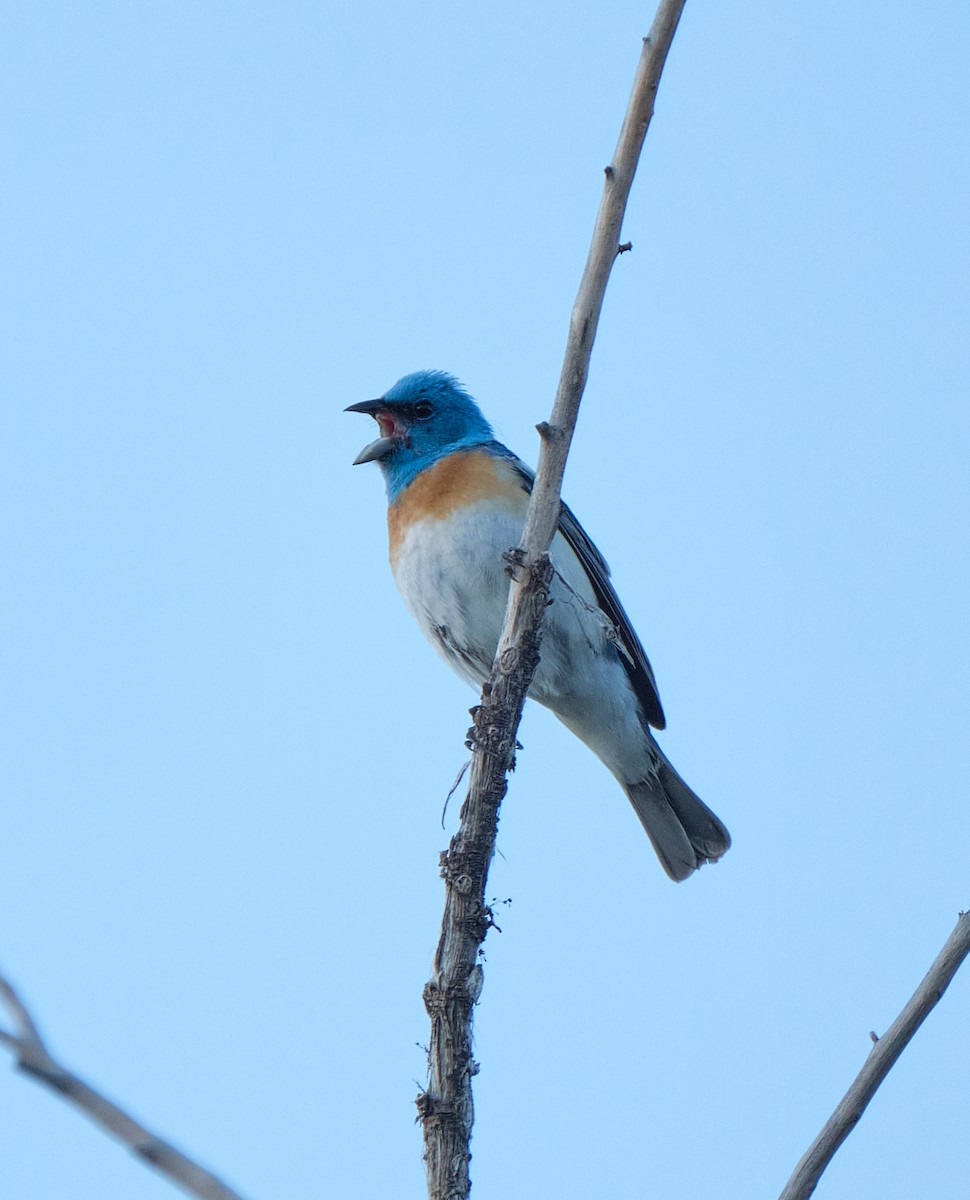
{"x": 683, "y": 830}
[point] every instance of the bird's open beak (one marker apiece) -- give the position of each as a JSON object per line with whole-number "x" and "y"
{"x": 392, "y": 435}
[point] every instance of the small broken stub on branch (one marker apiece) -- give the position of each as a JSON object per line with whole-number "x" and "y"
{"x": 624, "y": 247}
{"x": 550, "y": 433}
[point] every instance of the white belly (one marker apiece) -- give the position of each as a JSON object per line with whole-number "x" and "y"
{"x": 452, "y": 576}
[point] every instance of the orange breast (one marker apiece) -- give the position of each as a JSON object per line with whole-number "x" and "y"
{"x": 461, "y": 479}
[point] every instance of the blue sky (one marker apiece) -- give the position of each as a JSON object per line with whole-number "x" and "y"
{"x": 225, "y": 750}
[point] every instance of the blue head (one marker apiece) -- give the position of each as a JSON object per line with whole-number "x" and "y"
{"x": 423, "y": 417}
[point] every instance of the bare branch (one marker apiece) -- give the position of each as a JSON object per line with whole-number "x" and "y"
{"x": 34, "y": 1059}
{"x": 446, "y": 1108}
{"x": 543, "y": 513}
{"x": 883, "y": 1055}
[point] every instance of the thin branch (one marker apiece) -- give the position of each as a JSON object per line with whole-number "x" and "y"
{"x": 35, "y": 1060}
{"x": 883, "y": 1055}
{"x": 557, "y": 435}
{"x": 446, "y": 1108}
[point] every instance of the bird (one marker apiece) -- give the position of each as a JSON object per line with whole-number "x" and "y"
{"x": 457, "y": 501}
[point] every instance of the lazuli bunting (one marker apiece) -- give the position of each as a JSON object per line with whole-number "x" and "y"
{"x": 456, "y": 504}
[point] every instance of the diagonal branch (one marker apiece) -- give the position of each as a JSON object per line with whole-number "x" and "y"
{"x": 34, "y": 1059}
{"x": 885, "y": 1051}
{"x": 445, "y": 1107}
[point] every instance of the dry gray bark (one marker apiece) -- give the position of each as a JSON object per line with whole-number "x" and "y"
{"x": 446, "y": 1107}
{"x": 881, "y": 1058}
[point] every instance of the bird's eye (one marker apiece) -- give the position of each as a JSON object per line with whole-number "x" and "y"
{"x": 423, "y": 409}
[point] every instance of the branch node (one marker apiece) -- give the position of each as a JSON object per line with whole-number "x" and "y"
{"x": 623, "y": 248}
{"x": 550, "y": 433}
{"x": 472, "y": 740}
{"x": 510, "y": 659}
{"x": 431, "y": 995}
{"x": 515, "y": 560}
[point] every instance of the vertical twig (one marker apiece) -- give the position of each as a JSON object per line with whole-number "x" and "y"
{"x": 445, "y": 1107}
{"x": 882, "y": 1057}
